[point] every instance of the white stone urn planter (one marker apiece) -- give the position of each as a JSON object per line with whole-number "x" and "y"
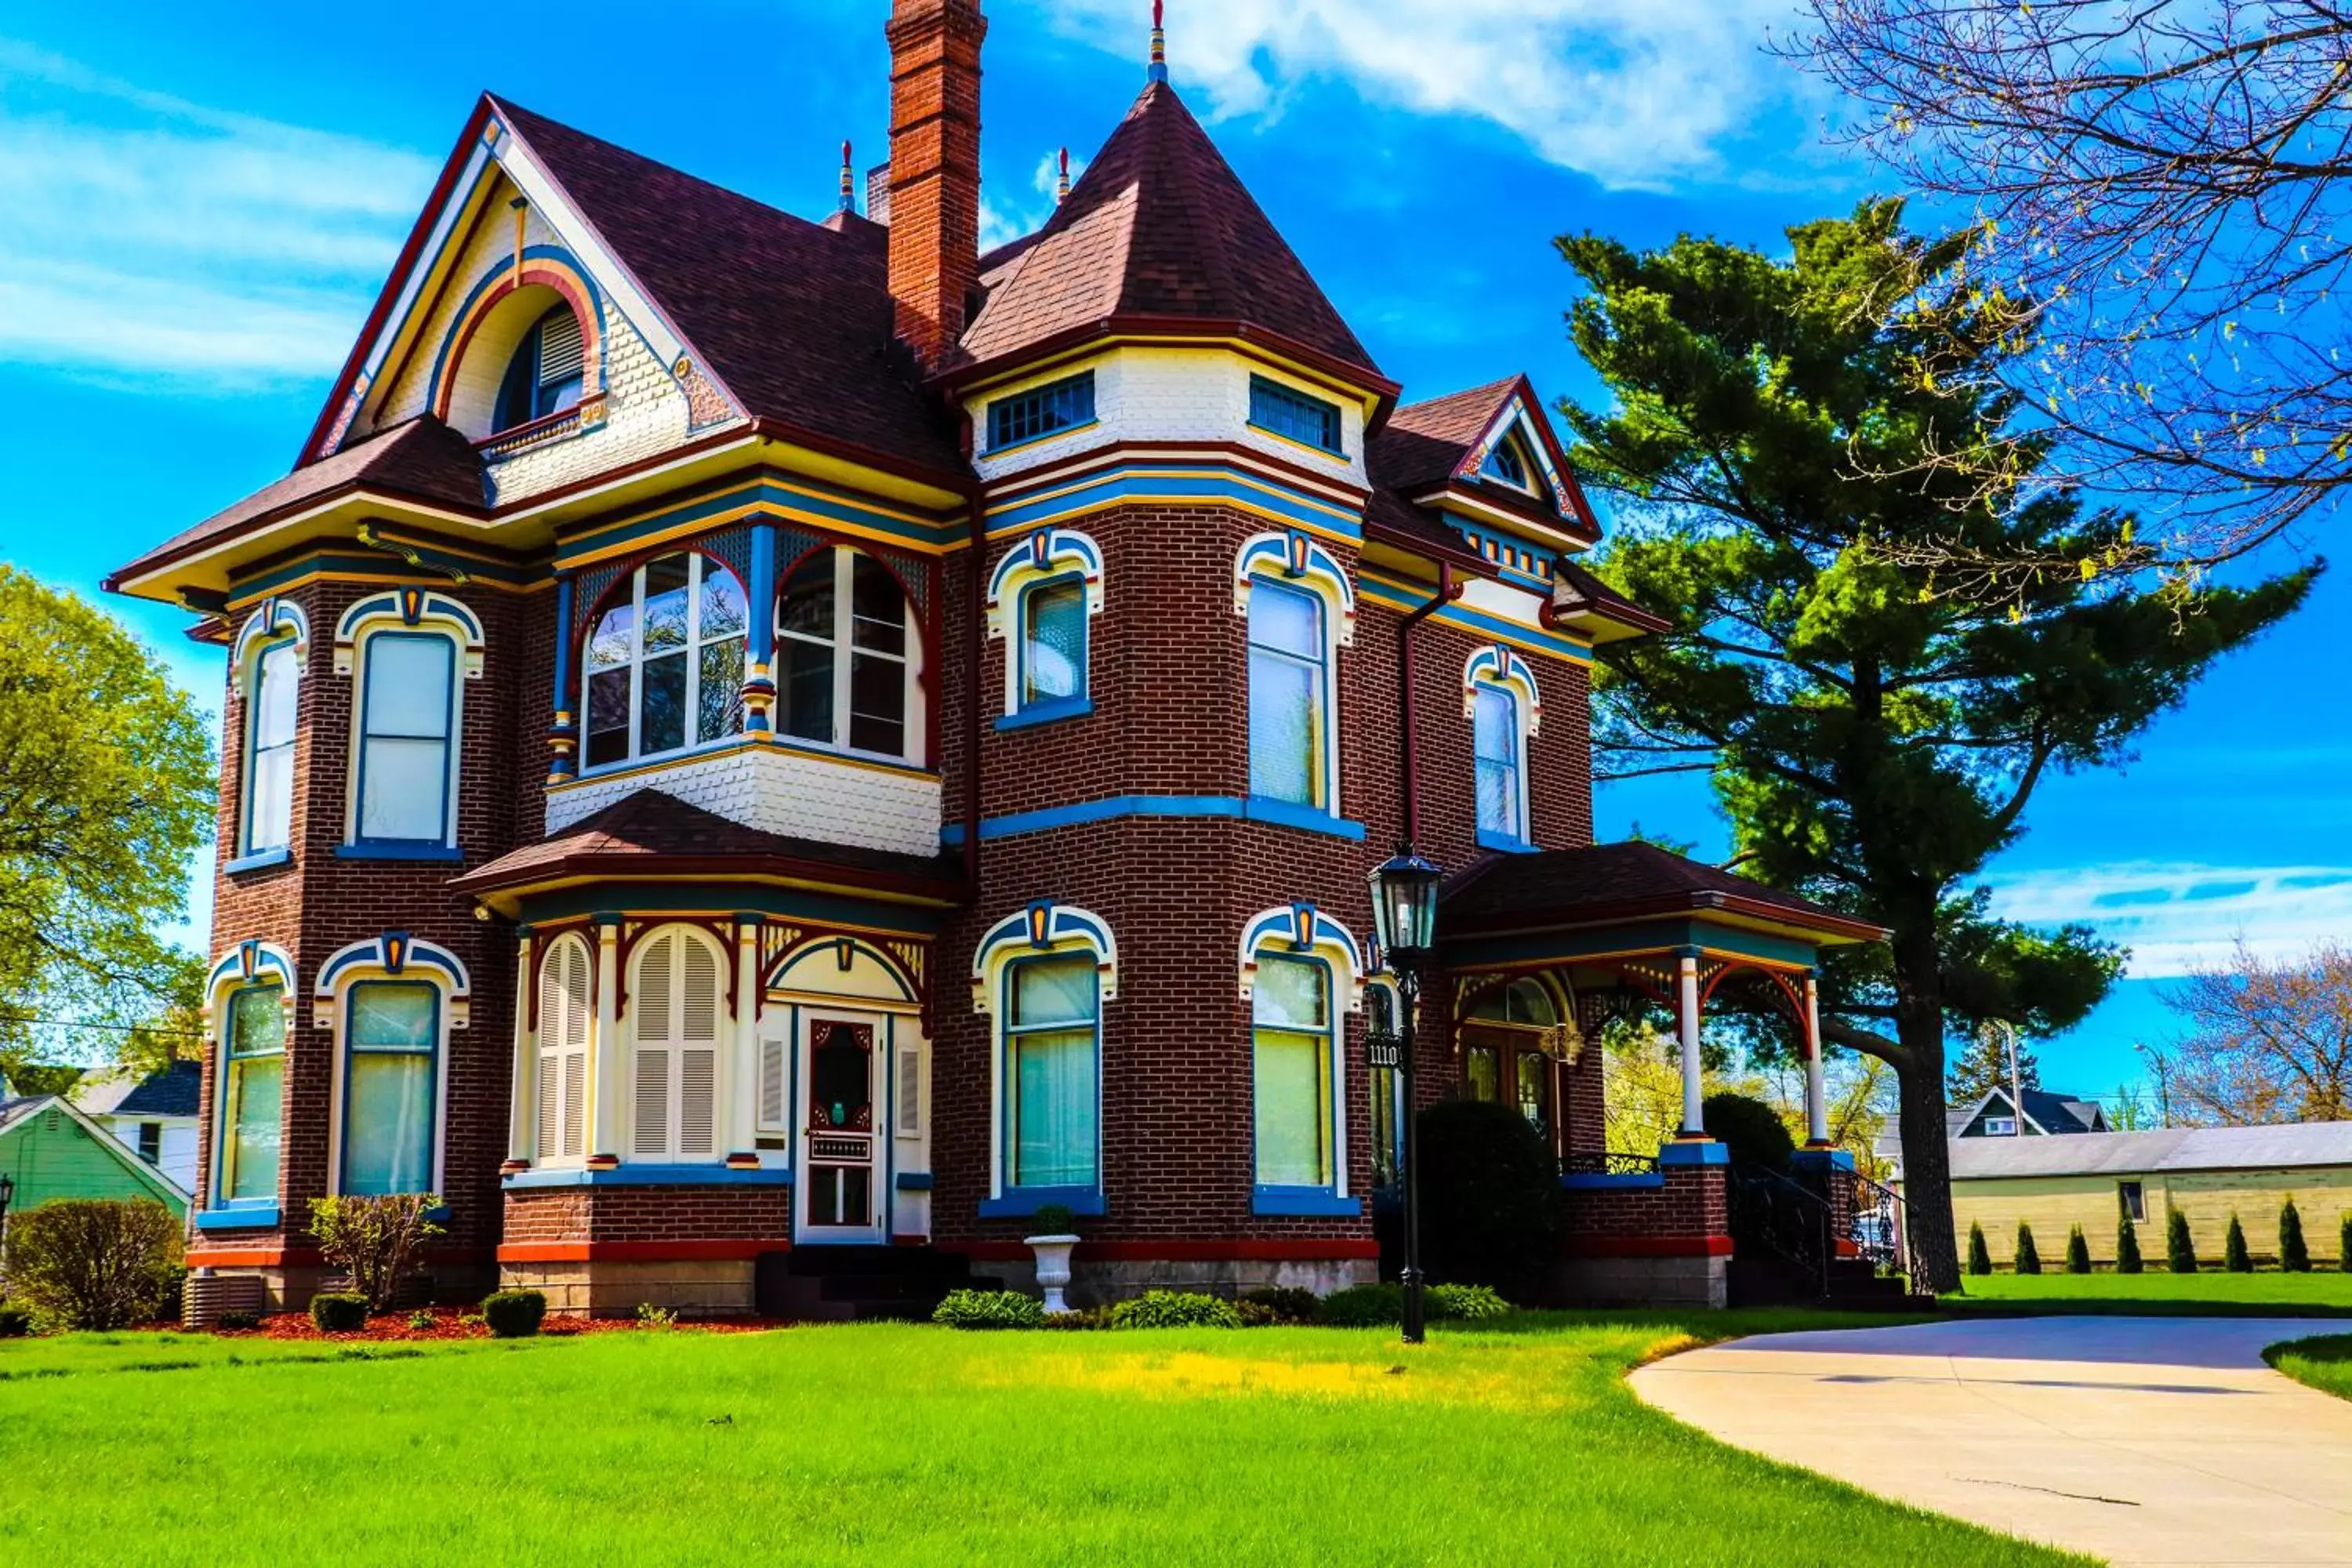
{"x": 1053, "y": 1267}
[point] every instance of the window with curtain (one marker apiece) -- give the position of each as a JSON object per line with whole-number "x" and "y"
{"x": 664, "y": 661}
{"x": 846, "y": 647}
{"x": 407, "y": 727}
{"x": 1052, "y": 1040}
{"x": 1533, "y": 1073}
{"x": 269, "y": 749}
{"x": 1497, "y": 742}
{"x": 1291, "y": 1047}
{"x": 252, "y": 1094}
{"x": 546, "y": 375}
{"x": 1288, "y": 693}
{"x": 1054, "y": 643}
{"x": 1482, "y": 1072}
{"x": 391, "y": 1047}
{"x": 1385, "y": 1093}
{"x": 674, "y": 1011}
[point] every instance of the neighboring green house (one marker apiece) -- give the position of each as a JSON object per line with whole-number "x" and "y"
{"x": 51, "y": 1149}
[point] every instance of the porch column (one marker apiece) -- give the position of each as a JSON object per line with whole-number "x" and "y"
{"x": 739, "y": 1078}
{"x": 759, "y": 661}
{"x": 519, "y": 1153}
{"x": 1686, "y": 1013}
{"x": 1817, "y": 1109}
{"x": 605, "y": 1124}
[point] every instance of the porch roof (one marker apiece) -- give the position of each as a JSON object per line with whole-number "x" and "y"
{"x": 650, "y": 835}
{"x": 1613, "y": 884}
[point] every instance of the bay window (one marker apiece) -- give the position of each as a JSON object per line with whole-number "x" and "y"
{"x": 847, "y": 654}
{"x": 664, "y": 661}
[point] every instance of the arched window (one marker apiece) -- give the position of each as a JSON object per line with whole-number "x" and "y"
{"x": 1505, "y": 1057}
{"x": 1043, "y": 975}
{"x": 1495, "y": 737}
{"x": 269, "y": 747}
{"x": 846, "y": 654}
{"x": 1510, "y": 461}
{"x": 545, "y": 375}
{"x": 1299, "y": 972}
{"x": 252, "y": 1094}
{"x": 664, "y": 661}
{"x": 674, "y": 1013}
{"x": 564, "y": 1010}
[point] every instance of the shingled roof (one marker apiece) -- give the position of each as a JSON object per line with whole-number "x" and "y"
{"x": 1160, "y": 229}
{"x": 1617, "y": 881}
{"x": 794, "y": 318}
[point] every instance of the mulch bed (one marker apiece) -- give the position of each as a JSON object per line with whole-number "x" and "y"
{"x": 394, "y": 1327}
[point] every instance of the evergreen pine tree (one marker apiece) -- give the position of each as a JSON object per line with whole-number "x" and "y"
{"x": 2128, "y": 1260}
{"x": 2294, "y": 1257}
{"x": 1980, "y": 1256}
{"x": 2179, "y": 1251}
{"x": 2235, "y": 1257}
{"x": 2343, "y": 1244}
{"x": 2078, "y": 1252}
{"x": 2029, "y": 1259}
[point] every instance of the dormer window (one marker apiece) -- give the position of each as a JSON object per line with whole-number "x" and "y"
{"x": 1511, "y": 463}
{"x": 545, "y": 375}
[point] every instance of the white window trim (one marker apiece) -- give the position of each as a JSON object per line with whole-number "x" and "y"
{"x": 915, "y": 726}
{"x": 1302, "y": 930}
{"x": 401, "y": 960}
{"x": 1041, "y": 931}
{"x": 1048, "y": 555}
{"x": 701, "y": 564}
{"x": 249, "y": 673}
{"x": 462, "y": 669}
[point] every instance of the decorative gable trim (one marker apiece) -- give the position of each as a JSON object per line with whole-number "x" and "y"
{"x": 410, "y": 608}
{"x": 1044, "y": 927}
{"x": 1302, "y": 929}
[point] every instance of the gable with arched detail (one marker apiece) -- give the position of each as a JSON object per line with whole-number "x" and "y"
{"x": 478, "y": 348}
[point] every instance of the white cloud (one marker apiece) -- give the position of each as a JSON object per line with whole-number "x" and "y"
{"x": 148, "y": 236}
{"x": 1632, "y": 92}
{"x": 2176, "y": 916}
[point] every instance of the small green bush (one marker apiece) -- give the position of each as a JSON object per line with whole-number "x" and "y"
{"x": 1054, "y": 1219}
{"x": 2343, "y": 1244}
{"x": 1979, "y": 1254}
{"x": 2028, "y": 1257}
{"x": 2180, "y": 1248}
{"x": 2235, "y": 1259}
{"x": 1364, "y": 1306}
{"x": 1175, "y": 1309}
{"x": 1489, "y": 1194}
{"x": 989, "y": 1310}
{"x": 2078, "y": 1251}
{"x": 1463, "y": 1304}
{"x": 1751, "y": 1128}
{"x": 1082, "y": 1318}
{"x": 660, "y": 1320}
{"x": 1288, "y": 1303}
{"x": 2294, "y": 1253}
{"x": 15, "y": 1322}
{"x": 513, "y": 1314}
{"x": 379, "y": 1241}
{"x": 338, "y": 1311}
{"x": 421, "y": 1319}
{"x": 2128, "y": 1258}
{"x": 1255, "y": 1314}
{"x": 237, "y": 1320}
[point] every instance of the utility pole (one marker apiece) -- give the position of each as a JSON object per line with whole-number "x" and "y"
{"x": 2163, "y": 1070}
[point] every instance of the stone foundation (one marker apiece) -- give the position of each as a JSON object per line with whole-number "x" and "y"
{"x": 692, "y": 1287}
{"x": 1641, "y": 1281}
{"x": 1101, "y": 1281}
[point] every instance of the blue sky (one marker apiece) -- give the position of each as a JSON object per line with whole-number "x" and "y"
{"x": 201, "y": 202}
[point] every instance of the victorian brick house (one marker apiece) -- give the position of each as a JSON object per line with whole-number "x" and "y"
{"x": 748, "y": 735}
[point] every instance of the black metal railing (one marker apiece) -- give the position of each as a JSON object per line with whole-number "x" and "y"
{"x": 1778, "y": 1214}
{"x": 1607, "y": 1164}
{"x": 1879, "y": 1224}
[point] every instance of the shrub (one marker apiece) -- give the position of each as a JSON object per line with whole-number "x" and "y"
{"x": 15, "y": 1322}
{"x": 2128, "y": 1258}
{"x": 1463, "y": 1304}
{"x": 1255, "y": 1315}
{"x": 2235, "y": 1257}
{"x": 514, "y": 1314}
{"x": 659, "y": 1319}
{"x": 2343, "y": 1244}
{"x": 2295, "y": 1254}
{"x": 1054, "y": 1219}
{"x": 989, "y": 1310}
{"x": 1489, "y": 1196}
{"x": 1751, "y": 1128}
{"x": 1086, "y": 1318}
{"x": 420, "y": 1321}
{"x": 377, "y": 1240}
{"x": 1979, "y": 1254}
{"x": 2078, "y": 1252}
{"x": 1364, "y": 1306}
{"x": 1175, "y": 1309}
{"x": 237, "y": 1320}
{"x": 2179, "y": 1249}
{"x": 94, "y": 1263}
{"x": 2028, "y": 1257}
{"x": 338, "y": 1311}
{"x": 1285, "y": 1303}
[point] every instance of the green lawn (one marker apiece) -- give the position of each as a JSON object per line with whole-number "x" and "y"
{"x": 2207, "y": 1294}
{"x": 1514, "y": 1444}
{"x": 2324, "y": 1363}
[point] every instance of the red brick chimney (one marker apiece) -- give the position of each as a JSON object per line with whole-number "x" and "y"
{"x": 934, "y": 169}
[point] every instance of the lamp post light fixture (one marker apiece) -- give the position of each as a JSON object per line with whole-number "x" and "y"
{"x": 1404, "y": 921}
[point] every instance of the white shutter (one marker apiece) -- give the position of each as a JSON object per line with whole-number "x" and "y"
{"x": 772, "y": 1080}
{"x": 550, "y": 1065}
{"x": 698, "y": 1051}
{"x": 651, "y": 1015}
{"x": 563, "y": 1051}
{"x": 698, "y": 1011}
{"x": 910, "y": 1091}
{"x": 653, "y": 1101}
{"x": 561, "y": 353}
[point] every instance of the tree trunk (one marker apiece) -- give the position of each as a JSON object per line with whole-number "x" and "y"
{"x": 1926, "y": 1152}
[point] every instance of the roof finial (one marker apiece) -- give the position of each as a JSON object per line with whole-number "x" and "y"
{"x": 848, "y": 191}
{"x": 1062, "y": 185}
{"x": 1158, "y": 71}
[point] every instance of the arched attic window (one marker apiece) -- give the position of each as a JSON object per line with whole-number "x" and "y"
{"x": 547, "y": 372}
{"x": 664, "y": 661}
{"x": 1512, "y": 463}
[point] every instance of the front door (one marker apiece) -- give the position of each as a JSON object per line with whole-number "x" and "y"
{"x": 840, "y": 1167}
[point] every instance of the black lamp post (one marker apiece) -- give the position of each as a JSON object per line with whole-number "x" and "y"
{"x": 1404, "y": 919}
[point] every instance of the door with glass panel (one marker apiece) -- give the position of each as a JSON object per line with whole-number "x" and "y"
{"x": 840, "y": 1168}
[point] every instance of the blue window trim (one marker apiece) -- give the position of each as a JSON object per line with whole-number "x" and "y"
{"x": 1078, "y": 392}
{"x": 281, "y": 856}
{"x": 432, "y": 1054}
{"x": 1267, "y": 395}
{"x": 1256, "y": 808}
{"x": 451, "y": 749}
{"x": 1509, "y": 844}
{"x": 1048, "y": 435}
{"x": 1052, "y": 712}
{"x": 398, "y": 849}
{"x": 1018, "y": 1203}
{"x": 251, "y": 858}
{"x": 1320, "y": 764}
{"x": 1333, "y": 1121}
{"x": 221, "y": 1140}
{"x": 250, "y": 1215}
{"x": 651, "y": 1175}
{"x": 1514, "y": 840}
{"x": 1003, "y": 1015}
{"x": 1051, "y": 708}
{"x": 1318, "y": 1201}
{"x": 914, "y": 1182}
{"x": 1309, "y": 818}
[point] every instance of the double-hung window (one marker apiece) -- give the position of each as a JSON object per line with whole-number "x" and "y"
{"x": 252, "y": 1095}
{"x": 846, "y": 647}
{"x": 1288, "y": 693}
{"x": 1291, "y": 1051}
{"x": 1293, "y": 414}
{"x": 390, "y": 1054}
{"x": 1499, "y": 747}
{"x": 666, "y": 660}
{"x": 407, "y": 727}
{"x": 1052, "y": 644}
{"x": 269, "y": 751}
{"x": 1052, "y": 1054}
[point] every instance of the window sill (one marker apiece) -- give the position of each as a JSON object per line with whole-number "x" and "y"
{"x": 1507, "y": 843}
{"x": 1335, "y": 453}
{"x": 914, "y": 1182}
{"x": 1306, "y": 819}
{"x": 1606, "y": 1181}
{"x": 1019, "y": 1203}
{"x": 1038, "y": 713}
{"x": 1028, "y": 441}
{"x": 440, "y": 854}
{"x": 1316, "y": 1201}
{"x": 252, "y": 1216}
{"x": 649, "y": 1177}
{"x": 259, "y": 861}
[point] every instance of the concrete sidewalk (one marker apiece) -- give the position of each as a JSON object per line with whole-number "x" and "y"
{"x": 2142, "y": 1440}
